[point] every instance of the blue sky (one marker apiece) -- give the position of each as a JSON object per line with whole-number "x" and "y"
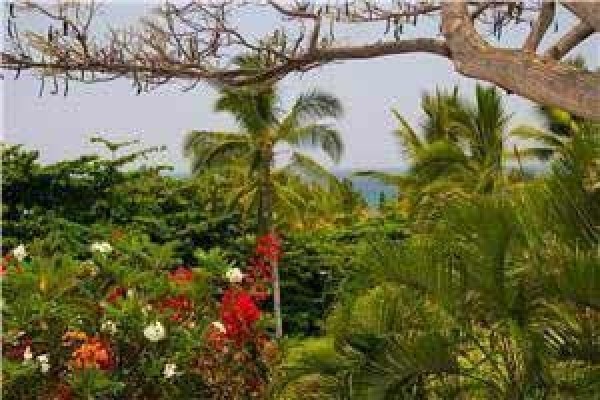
{"x": 60, "y": 126}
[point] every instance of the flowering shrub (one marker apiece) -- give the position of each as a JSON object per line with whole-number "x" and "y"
{"x": 236, "y": 341}
{"x": 125, "y": 325}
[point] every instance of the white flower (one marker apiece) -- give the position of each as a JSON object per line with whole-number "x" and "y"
{"x": 19, "y": 252}
{"x": 42, "y": 358}
{"x": 234, "y": 275}
{"x": 155, "y": 332}
{"x": 44, "y": 367}
{"x": 219, "y": 326}
{"x": 27, "y": 354}
{"x": 170, "y": 370}
{"x": 109, "y": 326}
{"x": 44, "y": 363}
{"x": 101, "y": 247}
{"x": 130, "y": 293}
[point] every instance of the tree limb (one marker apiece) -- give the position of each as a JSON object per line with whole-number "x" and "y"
{"x": 540, "y": 27}
{"x": 576, "y": 35}
{"x": 587, "y": 11}
{"x": 542, "y": 80}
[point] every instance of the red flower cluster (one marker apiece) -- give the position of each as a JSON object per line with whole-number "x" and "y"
{"x": 180, "y": 307}
{"x": 181, "y": 275}
{"x": 266, "y": 254}
{"x": 238, "y": 313}
{"x": 268, "y": 247}
{"x": 238, "y": 310}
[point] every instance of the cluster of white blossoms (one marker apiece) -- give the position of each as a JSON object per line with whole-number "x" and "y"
{"x": 155, "y": 332}
{"x": 43, "y": 360}
{"x": 234, "y": 275}
{"x": 170, "y": 371}
{"x": 101, "y": 247}
{"x": 19, "y": 252}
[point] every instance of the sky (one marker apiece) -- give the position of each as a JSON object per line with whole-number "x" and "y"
{"x": 60, "y": 127}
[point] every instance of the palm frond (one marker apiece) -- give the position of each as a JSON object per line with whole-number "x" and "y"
{"x": 322, "y": 136}
{"x": 207, "y": 149}
{"x": 309, "y": 170}
{"x": 407, "y": 137}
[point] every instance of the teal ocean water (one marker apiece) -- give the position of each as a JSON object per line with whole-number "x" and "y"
{"x": 370, "y": 189}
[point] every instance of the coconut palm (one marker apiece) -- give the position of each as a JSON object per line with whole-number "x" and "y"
{"x": 459, "y": 149}
{"x": 263, "y": 129}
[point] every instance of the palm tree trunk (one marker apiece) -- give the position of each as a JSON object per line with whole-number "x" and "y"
{"x": 265, "y": 225}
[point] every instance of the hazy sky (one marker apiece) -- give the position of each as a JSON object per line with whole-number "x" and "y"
{"x": 60, "y": 126}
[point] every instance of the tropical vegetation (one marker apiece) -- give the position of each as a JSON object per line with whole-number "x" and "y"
{"x": 480, "y": 280}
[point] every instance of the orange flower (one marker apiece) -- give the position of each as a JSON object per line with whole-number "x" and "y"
{"x": 94, "y": 353}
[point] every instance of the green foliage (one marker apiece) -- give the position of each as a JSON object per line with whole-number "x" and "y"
{"x": 52, "y": 293}
{"x": 496, "y": 298}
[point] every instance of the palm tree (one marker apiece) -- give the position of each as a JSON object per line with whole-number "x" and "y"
{"x": 459, "y": 149}
{"x": 263, "y": 130}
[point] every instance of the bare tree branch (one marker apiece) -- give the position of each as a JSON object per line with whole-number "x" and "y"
{"x": 569, "y": 41}
{"x": 587, "y": 11}
{"x": 197, "y": 41}
{"x": 540, "y": 27}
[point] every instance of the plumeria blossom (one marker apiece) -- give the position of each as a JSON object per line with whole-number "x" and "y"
{"x": 218, "y": 325}
{"x": 155, "y": 332}
{"x": 234, "y": 275}
{"x": 27, "y": 354}
{"x": 44, "y": 362}
{"x": 101, "y": 247}
{"x": 170, "y": 371}
{"x": 19, "y": 252}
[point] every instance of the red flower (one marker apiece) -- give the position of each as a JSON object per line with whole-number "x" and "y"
{"x": 180, "y": 307}
{"x": 269, "y": 247}
{"x": 238, "y": 313}
{"x": 260, "y": 270}
{"x": 2, "y": 270}
{"x": 116, "y": 294}
{"x": 181, "y": 275}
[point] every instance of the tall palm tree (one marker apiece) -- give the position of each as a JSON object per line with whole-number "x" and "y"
{"x": 264, "y": 128}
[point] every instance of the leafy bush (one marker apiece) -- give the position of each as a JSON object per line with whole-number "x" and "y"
{"x": 127, "y": 323}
